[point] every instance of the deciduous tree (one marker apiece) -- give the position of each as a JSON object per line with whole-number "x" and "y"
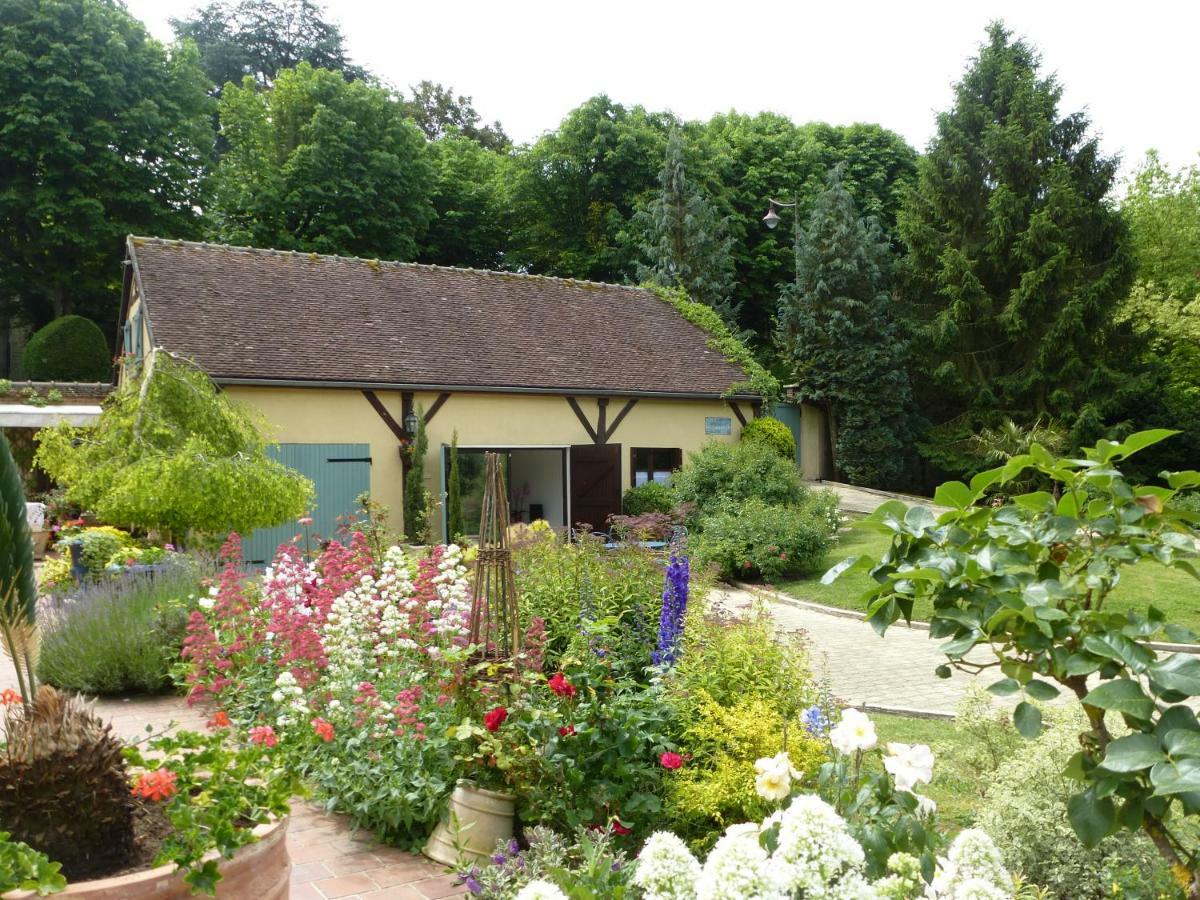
{"x": 437, "y": 112}
{"x": 319, "y": 164}
{"x": 103, "y": 132}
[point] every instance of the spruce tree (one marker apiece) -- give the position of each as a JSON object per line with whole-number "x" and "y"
{"x": 837, "y": 332}
{"x": 686, "y": 241}
{"x": 1016, "y": 259}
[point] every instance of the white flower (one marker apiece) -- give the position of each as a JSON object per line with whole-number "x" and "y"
{"x": 972, "y": 869}
{"x": 926, "y": 808}
{"x": 775, "y": 774}
{"x": 816, "y": 850}
{"x": 666, "y": 869}
{"x": 738, "y": 869}
{"x": 909, "y": 765}
{"x": 853, "y": 733}
{"x": 206, "y": 603}
{"x": 540, "y": 890}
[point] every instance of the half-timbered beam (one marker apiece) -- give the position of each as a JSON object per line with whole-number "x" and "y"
{"x": 583, "y": 420}
{"x": 624, "y": 411}
{"x": 737, "y": 411}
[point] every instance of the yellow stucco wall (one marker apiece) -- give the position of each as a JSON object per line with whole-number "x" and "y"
{"x": 327, "y": 415}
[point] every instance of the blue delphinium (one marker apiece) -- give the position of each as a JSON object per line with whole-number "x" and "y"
{"x": 674, "y": 605}
{"x": 815, "y": 721}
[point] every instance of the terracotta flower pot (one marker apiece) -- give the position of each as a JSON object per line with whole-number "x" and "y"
{"x": 258, "y": 871}
{"x": 478, "y": 819}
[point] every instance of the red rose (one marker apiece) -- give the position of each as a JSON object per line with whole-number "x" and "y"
{"x": 495, "y": 718}
{"x": 566, "y": 731}
{"x": 618, "y": 828}
{"x": 670, "y": 760}
{"x": 559, "y": 684}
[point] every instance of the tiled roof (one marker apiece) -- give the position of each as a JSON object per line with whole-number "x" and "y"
{"x": 85, "y": 392}
{"x": 267, "y": 315}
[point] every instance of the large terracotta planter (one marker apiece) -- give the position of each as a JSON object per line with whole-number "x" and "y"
{"x": 478, "y": 819}
{"x": 258, "y": 871}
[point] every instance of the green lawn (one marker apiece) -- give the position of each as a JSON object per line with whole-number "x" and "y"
{"x": 955, "y": 787}
{"x": 1175, "y": 592}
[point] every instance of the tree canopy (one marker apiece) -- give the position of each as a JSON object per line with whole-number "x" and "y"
{"x": 437, "y": 112}
{"x": 839, "y": 337}
{"x": 320, "y": 164}
{"x": 261, "y": 38}
{"x": 1016, "y": 259}
{"x": 172, "y": 453}
{"x": 103, "y": 132}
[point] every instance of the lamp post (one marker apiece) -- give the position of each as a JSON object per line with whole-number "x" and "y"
{"x": 772, "y": 218}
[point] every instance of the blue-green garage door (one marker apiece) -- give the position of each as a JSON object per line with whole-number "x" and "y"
{"x": 339, "y": 472}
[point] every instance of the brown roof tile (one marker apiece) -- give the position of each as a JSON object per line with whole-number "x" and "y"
{"x": 267, "y": 315}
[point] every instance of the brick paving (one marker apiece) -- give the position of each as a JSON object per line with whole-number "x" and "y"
{"x": 330, "y": 860}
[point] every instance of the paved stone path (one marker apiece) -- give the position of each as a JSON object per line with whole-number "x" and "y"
{"x": 330, "y": 860}
{"x": 864, "y": 669}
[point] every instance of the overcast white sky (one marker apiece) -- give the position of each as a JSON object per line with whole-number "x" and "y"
{"x": 528, "y": 62}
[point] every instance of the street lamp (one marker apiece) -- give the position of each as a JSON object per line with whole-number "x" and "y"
{"x": 771, "y": 219}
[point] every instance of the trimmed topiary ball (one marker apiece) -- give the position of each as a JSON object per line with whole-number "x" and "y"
{"x": 772, "y": 433}
{"x": 68, "y": 349}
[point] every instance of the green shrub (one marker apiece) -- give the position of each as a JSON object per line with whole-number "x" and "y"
{"x": 1025, "y": 812}
{"x": 716, "y": 789}
{"x": 100, "y": 545}
{"x": 651, "y": 497}
{"x": 119, "y": 635}
{"x": 755, "y": 539}
{"x": 70, "y": 348}
{"x": 723, "y": 473}
{"x": 773, "y": 434}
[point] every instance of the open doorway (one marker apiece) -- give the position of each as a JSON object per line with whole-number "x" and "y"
{"x": 536, "y": 479}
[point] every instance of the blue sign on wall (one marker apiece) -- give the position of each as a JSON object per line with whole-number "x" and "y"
{"x": 718, "y": 425}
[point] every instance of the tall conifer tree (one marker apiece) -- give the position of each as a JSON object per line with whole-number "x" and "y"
{"x": 837, "y": 331}
{"x": 687, "y": 244}
{"x": 1016, "y": 259}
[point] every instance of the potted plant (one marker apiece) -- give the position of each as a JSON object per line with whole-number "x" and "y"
{"x": 165, "y": 820}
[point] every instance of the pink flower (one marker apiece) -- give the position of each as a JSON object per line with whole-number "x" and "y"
{"x": 323, "y": 729}
{"x": 559, "y": 684}
{"x": 670, "y": 760}
{"x": 305, "y": 521}
{"x": 265, "y": 735}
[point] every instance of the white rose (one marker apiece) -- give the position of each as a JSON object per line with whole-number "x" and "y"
{"x": 854, "y": 732}
{"x": 909, "y": 764}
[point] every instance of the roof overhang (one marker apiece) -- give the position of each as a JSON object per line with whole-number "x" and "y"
{"x": 475, "y": 388}
{"x": 21, "y": 415}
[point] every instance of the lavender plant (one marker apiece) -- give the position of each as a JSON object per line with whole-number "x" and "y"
{"x": 674, "y": 607}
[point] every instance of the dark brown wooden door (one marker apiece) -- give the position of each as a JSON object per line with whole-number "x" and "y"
{"x": 595, "y": 484}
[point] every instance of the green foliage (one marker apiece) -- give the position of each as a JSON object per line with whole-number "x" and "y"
{"x": 839, "y": 338}
{"x": 1163, "y": 212}
{"x": 1015, "y": 262}
{"x": 590, "y": 867}
{"x": 773, "y": 433}
{"x": 105, "y": 133}
{"x": 686, "y": 243}
{"x": 730, "y": 657}
{"x": 416, "y": 497}
{"x": 70, "y": 348}
{"x": 242, "y": 785}
{"x": 321, "y": 165}
{"x": 455, "y": 523}
{"x": 651, "y": 497}
{"x": 471, "y": 213}
{"x": 721, "y": 339}
{"x": 754, "y": 539}
{"x": 438, "y": 113}
{"x": 117, "y": 637}
{"x": 97, "y": 545}
{"x": 18, "y": 592}
{"x": 24, "y": 869}
{"x": 732, "y": 473}
{"x": 175, "y": 454}
{"x": 562, "y": 583}
{"x": 1025, "y": 812}
{"x": 1030, "y": 581}
{"x": 261, "y": 38}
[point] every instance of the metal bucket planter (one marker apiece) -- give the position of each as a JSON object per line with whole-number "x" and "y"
{"x": 477, "y": 819}
{"x": 262, "y": 871}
